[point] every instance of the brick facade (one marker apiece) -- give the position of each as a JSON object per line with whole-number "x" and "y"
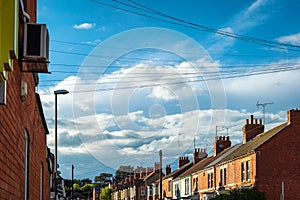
{"x": 279, "y": 161}
{"x": 21, "y": 119}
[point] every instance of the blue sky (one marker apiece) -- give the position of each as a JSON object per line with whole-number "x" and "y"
{"x": 138, "y": 85}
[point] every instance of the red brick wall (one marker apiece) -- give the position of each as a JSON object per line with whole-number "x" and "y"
{"x": 234, "y": 175}
{"x": 279, "y": 160}
{"x": 16, "y": 117}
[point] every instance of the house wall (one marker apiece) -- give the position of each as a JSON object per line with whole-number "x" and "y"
{"x": 279, "y": 161}
{"x": 165, "y": 187}
{"x": 185, "y": 192}
{"x": 234, "y": 172}
{"x": 16, "y": 118}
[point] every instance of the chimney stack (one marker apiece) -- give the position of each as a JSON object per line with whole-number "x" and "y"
{"x": 221, "y": 143}
{"x": 252, "y": 129}
{"x": 156, "y": 166}
{"x": 294, "y": 116}
{"x": 182, "y": 160}
{"x": 168, "y": 170}
{"x": 199, "y": 154}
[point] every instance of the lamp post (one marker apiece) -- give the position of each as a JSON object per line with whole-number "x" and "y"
{"x": 56, "y": 92}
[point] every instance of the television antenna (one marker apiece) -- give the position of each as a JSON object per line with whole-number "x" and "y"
{"x": 263, "y": 105}
{"x": 221, "y": 128}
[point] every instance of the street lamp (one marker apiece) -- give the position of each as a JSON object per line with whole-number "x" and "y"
{"x": 56, "y": 92}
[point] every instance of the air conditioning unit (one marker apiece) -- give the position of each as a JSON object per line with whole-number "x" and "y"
{"x": 36, "y": 41}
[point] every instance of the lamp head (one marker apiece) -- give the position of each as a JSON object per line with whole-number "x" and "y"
{"x": 61, "y": 92}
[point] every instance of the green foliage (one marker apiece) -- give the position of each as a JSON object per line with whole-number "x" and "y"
{"x": 76, "y": 186}
{"x": 106, "y": 193}
{"x": 87, "y": 187}
{"x": 103, "y": 179}
{"x": 85, "y": 181}
{"x": 241, "y": 194}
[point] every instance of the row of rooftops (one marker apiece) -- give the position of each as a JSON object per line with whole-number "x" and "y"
{"x": 253, "y": 137}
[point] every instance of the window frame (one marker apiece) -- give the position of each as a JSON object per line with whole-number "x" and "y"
{"x": 248, "y": 167}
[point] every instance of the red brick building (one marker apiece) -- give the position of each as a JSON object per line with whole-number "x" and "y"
{"x": 269, "y": 161}
{"x": 24, "y": 167}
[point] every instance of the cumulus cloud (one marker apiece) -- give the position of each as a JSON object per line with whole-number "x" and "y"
{"x": 84, "y": 26}
{"x": 109, "y": 123}
{"x": 290, "y": 39}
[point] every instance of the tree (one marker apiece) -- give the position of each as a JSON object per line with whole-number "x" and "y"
{"x": 76, "y": 186}
{"x": 123, "y": 172}
{"x": 241, "y": 194}
{"x": 103, "y": 179}
{"x": 87, "y": 187}
{"x": 106, "y": 193}
{"x": 86, "y": 181}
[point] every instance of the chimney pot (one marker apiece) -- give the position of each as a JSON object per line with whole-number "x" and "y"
{"x": 251, "y": 119}
{"x": 221, "y": 144}
{"x": 247, "y": 121}
{"x": 252, "y": 129}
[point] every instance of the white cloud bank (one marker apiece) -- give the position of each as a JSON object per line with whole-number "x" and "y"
{"x": 84, "y": 26}
{"x": 123, "y": 137}
{"x": 290, "y": 39}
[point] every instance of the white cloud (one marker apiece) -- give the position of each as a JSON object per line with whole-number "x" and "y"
{"x": 127, "y": 136}
{"x": 84, "y": 26}
{"x": 253, "y": 7}
{"x": 250, "y": 17}
{"x": 290, "y": 39}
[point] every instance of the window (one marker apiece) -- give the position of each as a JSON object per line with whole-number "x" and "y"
{"x": 186, "y": 186}
{"x": 243, "y": 171}
{"x": 245, "y": 168}
{"x": 195, "y": 180}
{"x": 150, "y": 190}
{"x": 248, "y": 170}
{"x": 223, "y": 177}
{"x": 26, "y": 158}
{"x": 169, "y": 185}
{"x": 177, "y": 192}
{"x": 210, "y": 178}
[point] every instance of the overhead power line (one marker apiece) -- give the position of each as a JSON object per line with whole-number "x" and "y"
{"x": 184, "y": 81}
{"x": 181, "y": 22}
{"x": 153, "y": 50}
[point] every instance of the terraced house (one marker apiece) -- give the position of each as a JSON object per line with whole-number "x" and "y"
{"x": 25, "y": 162}
{"x": 269, "y": 161}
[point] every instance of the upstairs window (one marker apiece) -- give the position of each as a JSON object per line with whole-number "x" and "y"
{"x": 223, "y": 177}
{"x": 210, "y": 178}
{"x": 169, "y": 185}
{"x": 195, "y": 181}
{"x": 248, "y": 170}
{"x": 245, "y": 171}
{"x": 186, "y": 186}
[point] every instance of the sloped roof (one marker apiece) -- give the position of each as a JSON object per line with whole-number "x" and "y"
{"x": 152, "y": 177}
{"x": 223, "y": 154}
{"x": 179, "y": 171}
{"x": 206, "y": 162}
{"x": 253, "y": 144}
